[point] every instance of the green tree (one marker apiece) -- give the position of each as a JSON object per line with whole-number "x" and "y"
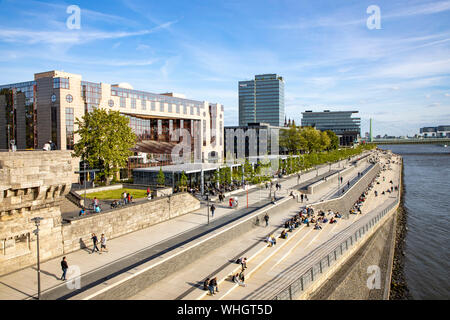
{"x": 161, "y": 178}
{"x": 105, "y": 141}
{"x": 183, "y": 181}
{"x": 325, "y": 141}
{"x": 312, "y": 139}
{"x": 292, "y": 139}
{"x": 334, "y": 140}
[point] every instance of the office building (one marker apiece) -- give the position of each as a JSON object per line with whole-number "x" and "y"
{"x": 347, "y": 129}
{"x": 435, "y": 132}
{"x": 34, "y": 112}
{"x": 252, "y": 140}
{"x": 262, "y": 100}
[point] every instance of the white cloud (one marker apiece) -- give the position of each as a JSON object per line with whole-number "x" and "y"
{"x": 69, "y": 36}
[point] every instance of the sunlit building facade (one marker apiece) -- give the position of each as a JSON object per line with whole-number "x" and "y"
{"x": 34, "y": 112}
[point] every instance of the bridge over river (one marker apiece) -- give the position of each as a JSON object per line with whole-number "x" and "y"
{"x": 444, "y": 141}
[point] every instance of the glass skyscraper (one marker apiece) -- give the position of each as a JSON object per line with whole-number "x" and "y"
{"x": 262, "y": 100}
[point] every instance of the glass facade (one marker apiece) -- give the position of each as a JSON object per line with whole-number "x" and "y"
{"x": 262, "y": 100}
{"x": 340, "y": 122}
{"x": 92, "y": 95}
{"x": 11, "y": 91}
{"x": 61, "y": 83}
{"x": 69, "y": 128}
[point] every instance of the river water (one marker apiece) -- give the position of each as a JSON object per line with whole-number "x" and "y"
{"x": 427, "y": 201}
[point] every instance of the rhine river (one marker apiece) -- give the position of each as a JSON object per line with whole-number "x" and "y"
{"x": 427, "y": 201}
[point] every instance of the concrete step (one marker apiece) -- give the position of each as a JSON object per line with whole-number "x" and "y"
{"x": 256, "y": 257}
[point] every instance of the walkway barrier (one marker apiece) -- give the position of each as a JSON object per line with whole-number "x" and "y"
{"x": 321, "y": 265}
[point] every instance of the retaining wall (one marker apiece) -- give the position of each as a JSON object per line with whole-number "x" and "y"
{"x": 117, "y": 222}
{"x": 345, "y": 203}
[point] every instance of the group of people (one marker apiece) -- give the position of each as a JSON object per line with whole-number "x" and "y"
{"x": 127, "y": 198}
{"x": 65, "y": 265}
{"x": 49, "y": 145}
{"x": 211, "y": 285}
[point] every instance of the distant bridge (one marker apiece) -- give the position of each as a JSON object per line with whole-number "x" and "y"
{"x": 413, "y": 141}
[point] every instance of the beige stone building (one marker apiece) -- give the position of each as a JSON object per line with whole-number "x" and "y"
{"x": 34, "y": 112}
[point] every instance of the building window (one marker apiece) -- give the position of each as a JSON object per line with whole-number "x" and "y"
{"x": 153, "y": 106}
{"x": 69, "y": 98}
{"x": 184, "y": 109}
{"x": 54, "y": 121}
{"x": 123, "y": 103}
{"x": 170, "y": 108}
{"x": 61, "y": 83}
{"x": 178, "y": 108}
{"x": 143, "y": 104}
{"x": 111, "y": 103}
{"x": 133, "y": 103}
{"x": 161, "y": 106}
{"x": 204, "y": 133}
{"x": 69, "y": 128}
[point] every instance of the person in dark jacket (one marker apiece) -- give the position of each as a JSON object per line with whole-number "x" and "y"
{"x": 64, "y": 267}
{"x": 94, "y": 242}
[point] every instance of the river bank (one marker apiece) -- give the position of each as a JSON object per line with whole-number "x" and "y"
{"x": 399, "y": 288}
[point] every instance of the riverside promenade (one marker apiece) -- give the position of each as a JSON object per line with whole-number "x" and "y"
{"x": 128, "y": 251}
{"x": 264, "y": 263}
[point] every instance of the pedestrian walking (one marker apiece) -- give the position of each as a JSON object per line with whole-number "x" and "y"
{"x": 103, "y": 243}
{"x": 64, "y": 267}
{"x": 124, "y": 198}
{"x": 148, "y": 191}
{"x": 266, "y": 218}
{"x": 213, "y": 208}
{"x": 94, "y": 241}
{"x": 302, "y": 196}
{"x": 244, "y": 263}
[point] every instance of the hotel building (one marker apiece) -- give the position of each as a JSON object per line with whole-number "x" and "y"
{"x": 34, "y": 112}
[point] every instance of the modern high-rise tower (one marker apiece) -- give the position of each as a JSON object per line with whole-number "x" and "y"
{"x": 262, "y": 100}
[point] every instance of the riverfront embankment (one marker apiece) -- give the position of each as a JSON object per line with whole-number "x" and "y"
{"x": 352, "y": 281}
{"x": 399, "y": 289}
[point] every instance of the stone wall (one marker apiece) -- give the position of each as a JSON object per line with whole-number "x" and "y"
{"x": 118, "y": 222}
{"x": 32, "y": 184}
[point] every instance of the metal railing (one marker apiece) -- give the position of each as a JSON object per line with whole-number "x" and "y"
{"x": 321, "y": 264}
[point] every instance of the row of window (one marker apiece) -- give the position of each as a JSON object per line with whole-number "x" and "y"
{"x": 134, "y": 94}
{"x": 60, "y": 83}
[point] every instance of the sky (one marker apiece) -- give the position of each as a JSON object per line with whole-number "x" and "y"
{"x": 328, "y": 52}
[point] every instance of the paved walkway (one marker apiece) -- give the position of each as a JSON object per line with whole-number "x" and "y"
{"x": 286, "y": 265}
{"x": 184, "y": 283}
{"x": 132, "y": 249}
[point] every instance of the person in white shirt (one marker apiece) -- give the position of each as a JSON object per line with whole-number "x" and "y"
{"x": 103, "y": 243}
{"x": 47, "y": 146}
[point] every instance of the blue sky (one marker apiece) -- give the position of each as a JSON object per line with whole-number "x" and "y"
{"x": 398, "y": 75}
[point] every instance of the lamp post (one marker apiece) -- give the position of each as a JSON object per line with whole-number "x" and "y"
{"x": 207, "y": 205}
{"x": 37, "y": 221}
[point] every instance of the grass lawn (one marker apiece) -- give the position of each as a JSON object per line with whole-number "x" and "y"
{"x": 116, "y": 194}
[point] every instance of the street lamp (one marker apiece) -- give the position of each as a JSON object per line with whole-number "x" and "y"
{"x": 207, "y": 205}
{"x": 37, "y": 222}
